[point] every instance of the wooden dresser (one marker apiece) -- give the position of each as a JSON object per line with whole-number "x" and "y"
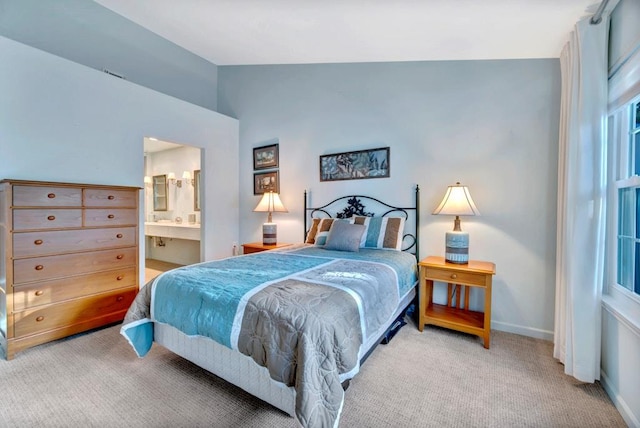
{"x": 68, "y": 259}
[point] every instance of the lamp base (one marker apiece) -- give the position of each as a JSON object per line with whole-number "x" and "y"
{"x": 457, "y": 247}
{"x": 269, "y": 234}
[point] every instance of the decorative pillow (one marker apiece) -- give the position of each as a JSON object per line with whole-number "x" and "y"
{"x": 313, "y": 230}
{"x": 323, "y": 231}
{"x": 344, "y": 236}
{"x": 381, "y": 232}
{"x": 319, "y": 235}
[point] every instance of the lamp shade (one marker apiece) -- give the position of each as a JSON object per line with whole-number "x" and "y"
{"x": 186, "y": 175}
{"x": 457, "y": 201}
{"x": 270, "y": 203}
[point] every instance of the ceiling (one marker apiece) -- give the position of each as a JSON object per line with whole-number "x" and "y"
{"x": 243, "y": 32}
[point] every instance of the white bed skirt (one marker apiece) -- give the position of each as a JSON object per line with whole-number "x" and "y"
{"x": 238, "y": 368}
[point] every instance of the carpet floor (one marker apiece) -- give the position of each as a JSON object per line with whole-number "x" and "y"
{"x": 437, "y": 378}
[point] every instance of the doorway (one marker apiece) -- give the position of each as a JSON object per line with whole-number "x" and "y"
{"x": 172, "y": 199}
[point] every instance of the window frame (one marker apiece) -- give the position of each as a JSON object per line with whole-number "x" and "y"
{"x": 620, "y": 138}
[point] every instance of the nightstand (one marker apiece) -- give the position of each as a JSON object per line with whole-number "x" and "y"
{"x": 256, "y": 247}
{"x": 456, "y": 314}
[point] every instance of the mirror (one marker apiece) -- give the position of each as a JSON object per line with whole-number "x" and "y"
{"x": 196, "y": 190}
{"x": 160, "y": 192}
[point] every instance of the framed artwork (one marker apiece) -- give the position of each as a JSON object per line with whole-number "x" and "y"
{"x": 372, "y": 163}
{"x": 265, "y": 182}
{"x": 265, "y": 157}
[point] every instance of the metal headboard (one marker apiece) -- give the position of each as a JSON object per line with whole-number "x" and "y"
{"x": 351, "y": 205}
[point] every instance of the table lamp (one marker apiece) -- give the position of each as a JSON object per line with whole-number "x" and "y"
{"x": 457, "y": 201}
{"x": 270, "y": 202}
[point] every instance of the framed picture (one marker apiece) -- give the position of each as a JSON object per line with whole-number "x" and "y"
{"x": 265, "y": 182}
{"x": 372, "y": 163}
{"x": 265, "y": 157}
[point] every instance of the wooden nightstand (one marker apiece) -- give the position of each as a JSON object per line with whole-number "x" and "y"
{"x": 256, "y": 247}
{"x": 453, "y": 315}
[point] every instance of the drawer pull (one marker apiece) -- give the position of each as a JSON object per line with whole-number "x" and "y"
{"x": 40, "y": 318}
{"x": 51, "y": 195}
{"x": 39, "y": 293}
{"x": 111, "y": 216}
{"x": 120, "y": 256}
{"x": 454, "y": 276}
{"x": 38, "y": 242}
{"x": 120, "y": 298}
{"x": 39, "y": 267}
{"x": 119, "y": 277}
{"x": 119, "y": 235}
{"x": 111, "y": 197}
{"x": 51, "y": 218}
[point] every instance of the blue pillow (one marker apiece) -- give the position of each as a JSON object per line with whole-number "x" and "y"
{"x": 344, "y": 236}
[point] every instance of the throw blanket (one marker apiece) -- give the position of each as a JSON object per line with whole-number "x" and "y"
{"x": 300, "y": 314}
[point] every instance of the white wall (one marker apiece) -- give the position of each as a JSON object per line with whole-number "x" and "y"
{"x": 60, "y": 121}
{"x": 181, "y": 199}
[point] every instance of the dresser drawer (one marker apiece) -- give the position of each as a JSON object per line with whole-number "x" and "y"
{"x": 46, "y": 292}
{"x": 110, "y": 198}
{"x": 71, "y": 312}
{"x": 52, "y": 267}
{"x": 110, "y": 217}
{"x": 45, "y": 196}
{"x": 46, "y": 219}
{"x": 30, "y": 244}
{"x": 448, "y": 276}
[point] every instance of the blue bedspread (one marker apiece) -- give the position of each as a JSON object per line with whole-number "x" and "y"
{"x": 304, "y": 313}
{"x": 181, "y": 294}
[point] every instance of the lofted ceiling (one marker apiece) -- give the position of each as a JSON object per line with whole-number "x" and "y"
{"x": 243, "y": 32}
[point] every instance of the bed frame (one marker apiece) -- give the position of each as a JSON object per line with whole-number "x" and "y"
{"x": 355, "y": 205}
{"x": 240, "y": 369}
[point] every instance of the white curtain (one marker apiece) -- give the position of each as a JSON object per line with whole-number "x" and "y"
{"x": 581, "y": 200}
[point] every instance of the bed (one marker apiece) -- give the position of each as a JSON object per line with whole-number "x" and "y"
{"x": 291, "y": 326}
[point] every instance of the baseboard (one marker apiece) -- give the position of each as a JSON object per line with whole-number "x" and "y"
{"x": 523, "y": 331}
{"x": 626, "y": 412}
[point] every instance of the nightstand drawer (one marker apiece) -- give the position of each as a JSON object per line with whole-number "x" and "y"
{"x": 457, "y": 277}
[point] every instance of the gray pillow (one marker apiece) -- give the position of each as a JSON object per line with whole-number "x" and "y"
{"x": 344, "y": 236}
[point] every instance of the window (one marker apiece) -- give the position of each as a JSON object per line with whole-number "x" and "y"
{"x": 628, "y": 196}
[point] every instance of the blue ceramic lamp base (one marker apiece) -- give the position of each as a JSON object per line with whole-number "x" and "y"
{"x": 269, "y": 233}
{"x": 457, "y": 247}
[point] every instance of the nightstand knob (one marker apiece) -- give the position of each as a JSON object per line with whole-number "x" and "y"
{"x": 454, "y": 276}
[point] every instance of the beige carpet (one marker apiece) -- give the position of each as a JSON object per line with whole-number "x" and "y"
{"x": 436, "y": 378}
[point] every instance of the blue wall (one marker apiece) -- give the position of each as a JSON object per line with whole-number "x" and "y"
{"x": 492, "y": 125}
{"x": 90, "y": 34}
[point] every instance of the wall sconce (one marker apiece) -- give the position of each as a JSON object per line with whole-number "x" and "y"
{"x": 147, "y": 180}
{"x": 172, "y": 179}
{"x": 186, "y": 176}
{"x": 457, "y": 201}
